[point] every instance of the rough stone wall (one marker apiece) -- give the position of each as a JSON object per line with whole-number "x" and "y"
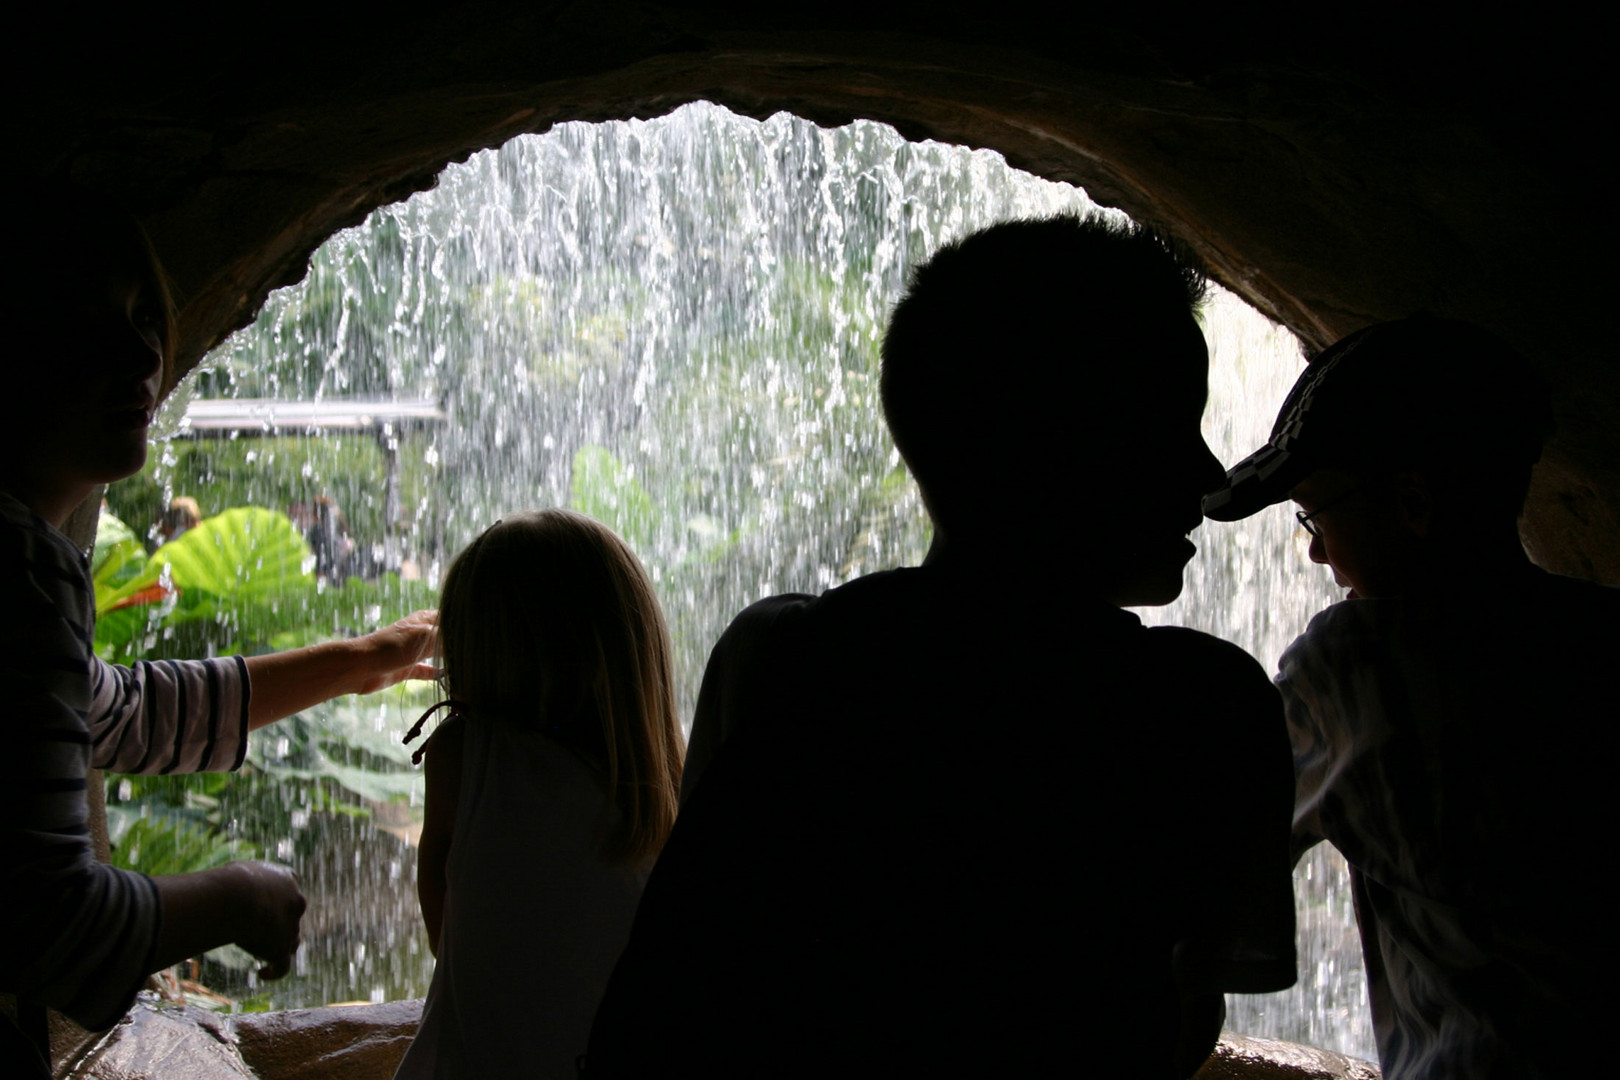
{"x": 1333, "y": 175}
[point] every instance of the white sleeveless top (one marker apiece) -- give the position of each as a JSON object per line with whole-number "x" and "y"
{"x": 534, "y": 916}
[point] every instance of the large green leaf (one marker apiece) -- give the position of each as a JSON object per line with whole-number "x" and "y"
{"x": 235, "y": 570}
{"x": 119, "y": 557}
{"x": 245, "y": 553}
{"x": 110, "y": 532}
{"x": 118, "y": 565}
{"x": 365, "y": 724}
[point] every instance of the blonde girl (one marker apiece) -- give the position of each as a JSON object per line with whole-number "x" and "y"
{"x": 550, "y": 789}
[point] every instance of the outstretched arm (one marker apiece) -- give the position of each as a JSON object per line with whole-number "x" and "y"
{"x": 287, "y": 682}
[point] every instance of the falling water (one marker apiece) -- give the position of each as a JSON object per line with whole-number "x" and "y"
{"x": 1252, "y": 584}
{"x": 673, "y": 326}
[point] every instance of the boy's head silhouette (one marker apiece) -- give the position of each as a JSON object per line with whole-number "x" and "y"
{"x": 1408, "y": 446}
{"x": 1044, "y": 380}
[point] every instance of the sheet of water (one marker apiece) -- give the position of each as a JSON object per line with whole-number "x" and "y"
{"x": 673, "y": 325}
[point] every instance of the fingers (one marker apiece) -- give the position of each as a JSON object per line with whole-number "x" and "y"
{"x": 419, "y": 622}
{"x": 417, "y": 633}
{"x": 275, "y": 935}
{"x": 401, "y": 650}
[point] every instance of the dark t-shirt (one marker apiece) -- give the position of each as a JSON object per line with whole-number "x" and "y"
{"x": 949, "y": 827}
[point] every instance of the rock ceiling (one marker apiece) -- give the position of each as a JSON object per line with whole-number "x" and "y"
{"x": 1334, "y": 178}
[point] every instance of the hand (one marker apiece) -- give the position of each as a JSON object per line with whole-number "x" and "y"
{"x": 288, "y": 682}
{"x": 270, "y": 894}
{"x": 398, "y": 652}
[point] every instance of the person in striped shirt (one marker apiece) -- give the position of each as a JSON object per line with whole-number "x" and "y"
{"x": 82, "y": 936}
{"x": 1452, "y": 720}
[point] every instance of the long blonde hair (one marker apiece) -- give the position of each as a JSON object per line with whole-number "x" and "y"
{"x": 548, "y": 620}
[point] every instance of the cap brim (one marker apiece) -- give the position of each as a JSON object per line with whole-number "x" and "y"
{"x": 1262, "y": 479}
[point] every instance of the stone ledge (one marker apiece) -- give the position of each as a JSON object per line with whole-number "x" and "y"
{"x": 1243, "y": 1057}
{"x": 358, "y": 1041}
{"x": 366, "y": 1042}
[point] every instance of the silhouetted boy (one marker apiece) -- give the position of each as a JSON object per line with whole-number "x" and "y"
{"x": 971, "y": 817}
{"x": 1453, "y": 720}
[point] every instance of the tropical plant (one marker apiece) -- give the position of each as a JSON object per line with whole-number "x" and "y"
{"x": 119, "y": 557}
{"x": 241, "y": 582}
{"x": 154, "y": 837}
{"x": 225, "y": 576}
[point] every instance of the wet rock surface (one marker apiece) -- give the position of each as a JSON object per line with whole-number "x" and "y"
{"x": 1239, "y": 1057}
{"x": 183, "y": 1042}
{"x": 360, "y": 1041}
{"x": 366, "y": 1042}
{"x": 153, "y": 1041}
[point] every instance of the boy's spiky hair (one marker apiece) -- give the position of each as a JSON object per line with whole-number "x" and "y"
{"x": 1022, "y": 326}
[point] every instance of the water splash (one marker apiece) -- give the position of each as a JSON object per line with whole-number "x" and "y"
{"x": 673, "y": 325}
{"x": 1253, "y": 584}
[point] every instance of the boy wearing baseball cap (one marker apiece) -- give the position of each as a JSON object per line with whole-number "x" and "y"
{"x": 1452, "y": 720}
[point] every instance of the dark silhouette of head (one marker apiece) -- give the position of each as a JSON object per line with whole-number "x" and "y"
{"x": 1047, "y": 370}
{"x": 1408, "y": 445}
{"x": 1445, "y": 398}
{"x": 548, "y": 620}
{"x": 96, "y": 324}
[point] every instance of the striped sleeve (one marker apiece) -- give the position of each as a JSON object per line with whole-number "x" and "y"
{"x": 169, "y": 716}
{"x": 78, "y": 934}
{"x": 1337, "y": 681}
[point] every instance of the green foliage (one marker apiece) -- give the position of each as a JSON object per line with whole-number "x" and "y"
{"x": 164, "y": 843}
{"x": 240, "y": 582}
{"x": 170, "y": 824}
{"x": 317, "y": 611}
{"x": 346, "y": 743}
{"x": 118, "y": 559}
{"x": 604, "y": 489}
{"x": 110, "y": 533}
{"x": 198, "y": 793}
{"x": 227, "y": 579}
{"x": 281, "y": 471}
{"x": 243, "y": 555}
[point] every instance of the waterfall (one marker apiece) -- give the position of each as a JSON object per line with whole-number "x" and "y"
{"x": 673, "y": 326}
{"x": 1251, "y": 583}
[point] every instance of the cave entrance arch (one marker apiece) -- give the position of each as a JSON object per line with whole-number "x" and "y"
{"x": 1331, "y": 179}
{"x": 342, "y": 343}
{"x": 1335, "y": 179}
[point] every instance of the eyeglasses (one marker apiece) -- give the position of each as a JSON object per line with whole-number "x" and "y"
{"x": 1304, "y": 519}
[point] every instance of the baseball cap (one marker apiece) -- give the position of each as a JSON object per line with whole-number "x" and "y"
{"x": 1416, "y": 386}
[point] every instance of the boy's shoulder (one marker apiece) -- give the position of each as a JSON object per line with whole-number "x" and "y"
{"x": 1204, "y": 656}
{"x": 887, "y": 593}
{"x": 1536, "y": 603}
{"x": 1205, "y": 647}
